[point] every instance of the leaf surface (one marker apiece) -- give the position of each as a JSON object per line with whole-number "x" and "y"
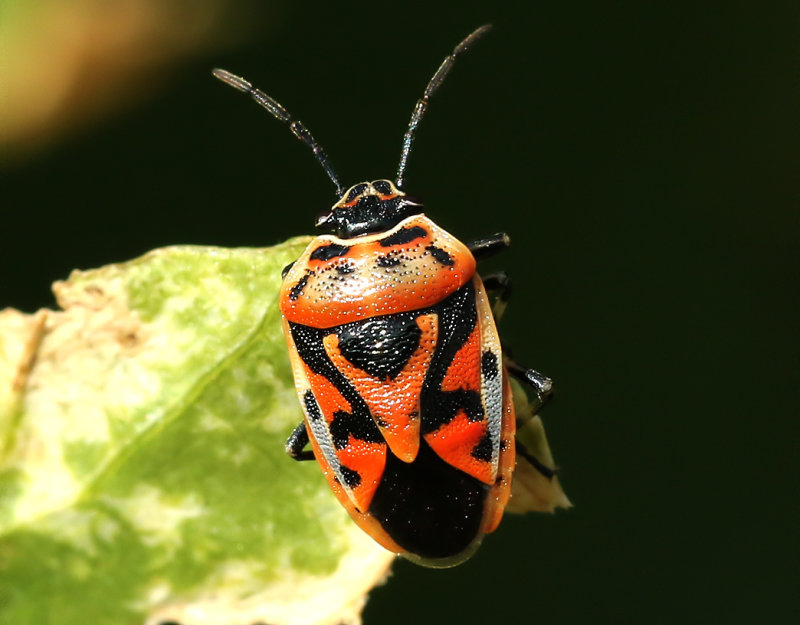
{"x": 142, "y": 471}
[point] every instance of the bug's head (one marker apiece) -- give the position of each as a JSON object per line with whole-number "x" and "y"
{"x": 369, "y": 207}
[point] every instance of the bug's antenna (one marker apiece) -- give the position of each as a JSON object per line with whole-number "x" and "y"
{"x": 280, "y": 113}
{"x": 433, "y": 85}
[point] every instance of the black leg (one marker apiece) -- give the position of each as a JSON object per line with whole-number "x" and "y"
{"x": 499, "y": 285}
{"x": 297, "y": 441}
{"x": 484, "y": 248}
{"x": 541, "y": 384}
{"x": 535, "y": 462}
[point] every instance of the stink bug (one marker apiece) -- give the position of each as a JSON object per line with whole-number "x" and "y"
{"x": 398, "y": 364}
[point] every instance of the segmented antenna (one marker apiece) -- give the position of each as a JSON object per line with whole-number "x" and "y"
{"x": 433, "y": 85}
{"x": 281, "y": 114}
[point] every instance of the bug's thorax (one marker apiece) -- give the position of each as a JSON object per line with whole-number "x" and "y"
{"x": 411, "y": 266}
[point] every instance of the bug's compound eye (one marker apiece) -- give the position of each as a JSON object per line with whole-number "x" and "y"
{"x": 384, "y": 187}
{"x": 355, "y": 191}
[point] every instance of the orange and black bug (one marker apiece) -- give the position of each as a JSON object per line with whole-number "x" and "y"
{"x": 398, "y": 364}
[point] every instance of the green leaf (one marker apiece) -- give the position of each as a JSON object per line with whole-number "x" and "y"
{"x": 142, "y": 470}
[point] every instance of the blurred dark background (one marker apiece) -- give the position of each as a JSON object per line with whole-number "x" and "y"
{"x": 644, "y": 158}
